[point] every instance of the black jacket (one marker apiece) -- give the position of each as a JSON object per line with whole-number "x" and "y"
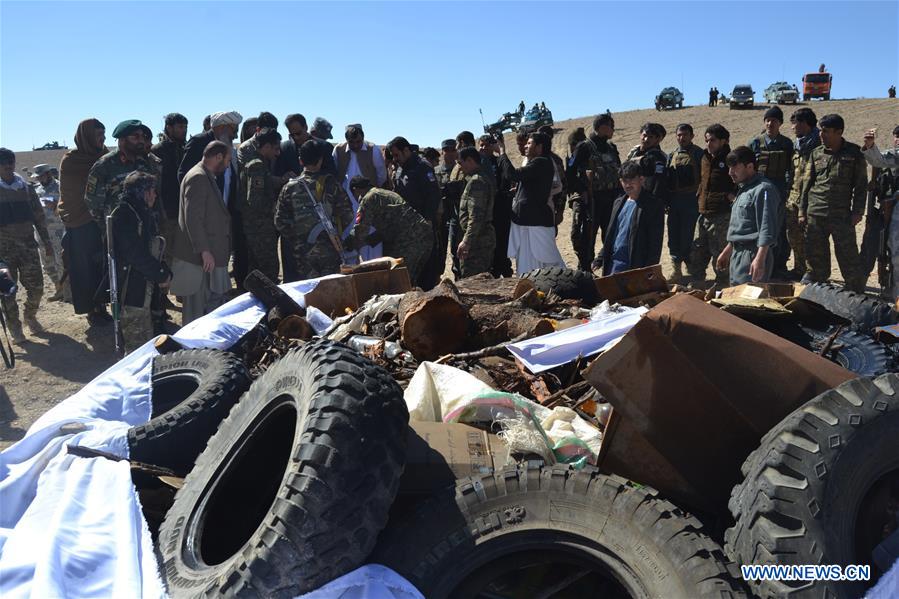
{"x": 132, "y": 228}
{"x": 170, "y": 155}
{"x": 288, "y": 160}
{"x": 416, "y": 183}
{"x": 645, "y": 236}
{"x": 530, "y": 206}
{"x": 193, "y": 152}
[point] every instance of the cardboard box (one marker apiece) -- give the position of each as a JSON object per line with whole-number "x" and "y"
{"x": 438, "y": 454}
{"x": 762, "y": 290}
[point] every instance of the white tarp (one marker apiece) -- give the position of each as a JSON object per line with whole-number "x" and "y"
{"x": 561, "y": 347}
{"x": 73, "y": 527}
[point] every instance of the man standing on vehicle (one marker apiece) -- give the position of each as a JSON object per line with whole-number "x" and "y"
{"x": 684, "y": 172}
{"x": 832, "y": 203}
{"x": 774, "y": 155}
{"x": 753, "y": 222}
{"x": 716, "y": 193}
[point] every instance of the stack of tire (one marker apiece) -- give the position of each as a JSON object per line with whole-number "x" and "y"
{"x": 289, "y": 479}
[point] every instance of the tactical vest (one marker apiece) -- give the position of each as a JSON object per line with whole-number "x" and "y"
{"x": 604, "y": 165}
{"x": 771, "y": 163}
{"x": 16, "y": 212}
{"x": 684, "y": 171}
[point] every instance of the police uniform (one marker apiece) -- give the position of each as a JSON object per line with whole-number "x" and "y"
{"x": 20, "y": 216}
{"x": 753, "y": 223}
{"x": 415, "y": 182}
{"x": 774, "y": 157}
{"x": 258, "y": 197}
{"x": 654, "y": 163}
{"x": 833, "y": 191}
{"x": 684, "y": 172}
{"x": 594, "y": 184}
{"x": 298, "y": 222}
{"x": 715, "y": 189}
{"x": 795, "y": 233}
{"x": 138, "y": 270}
{"x": 404, "y": 233}
{"x": 476, "y": 222}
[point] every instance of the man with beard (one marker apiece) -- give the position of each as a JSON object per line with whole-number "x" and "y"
{"x": 202, "y": 247}
{"x": 684, "y": 172}
{"x": 224, "y": 129}
{"x": 104, "y": 182}
{"x": 170, "y": 152}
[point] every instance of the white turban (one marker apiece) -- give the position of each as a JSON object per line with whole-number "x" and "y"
{"x": 225, "y": 118}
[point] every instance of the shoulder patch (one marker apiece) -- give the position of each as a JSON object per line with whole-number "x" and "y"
{"x": 660, "y": 168}
{"x": 430, "y": 176}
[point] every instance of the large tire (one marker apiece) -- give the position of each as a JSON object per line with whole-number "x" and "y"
{"x": 515, "y": 521}
{"x": 809, "y": 487}
{"x": 567, "y": 283}
{"x": 864, "y": 311}
{"x": 295, "y": 486}
{"x": 192, "y": 392}
{"x": 854, "y": 351}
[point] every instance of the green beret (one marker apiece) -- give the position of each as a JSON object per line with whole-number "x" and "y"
{"x": 126, "y": 128}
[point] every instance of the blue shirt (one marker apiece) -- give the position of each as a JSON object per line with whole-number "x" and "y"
{"x": 621, "y": 251}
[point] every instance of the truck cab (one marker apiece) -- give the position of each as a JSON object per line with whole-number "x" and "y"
{"x": 816, "y": 85}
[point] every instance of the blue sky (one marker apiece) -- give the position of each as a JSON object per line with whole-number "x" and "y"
{"x": 418, "y": 69}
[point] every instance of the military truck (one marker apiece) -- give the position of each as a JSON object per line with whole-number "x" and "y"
{"x": 670, "y": 97}
{"x": 509, "y": 121}
{"x": 817, "y": 85}
{"x": 52, "y": 145}
{"x": 781, "y": 92}
{"x": 742, "y": 96}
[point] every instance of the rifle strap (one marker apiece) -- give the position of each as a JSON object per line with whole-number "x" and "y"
{"x": 9, "y": 357}
{"x": 326, "y": 224}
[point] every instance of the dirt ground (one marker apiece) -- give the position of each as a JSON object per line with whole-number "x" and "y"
{"x": 54, "y": 365}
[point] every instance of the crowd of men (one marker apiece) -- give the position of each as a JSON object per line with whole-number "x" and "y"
{"x": 190, "y": 215}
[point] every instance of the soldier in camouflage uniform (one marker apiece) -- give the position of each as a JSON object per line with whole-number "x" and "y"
{"x": 716, "y": 194}
{"x": 684, "y": 173}
{"x": 258, "y": 195}
{"x": 593, "y": 175}
{"x": 20, "y": 216}
{"x": 774, "y": 155}
{"x": 47, "y": 189}
{"x": 299, "y": 223}
{"x": 476, "y": 216}
{"x": 403, "y": 231}
{"x": 805, "y": 127}
{"x": 832, "y": 202}
{"x": 104, "y": 182}
{"x": 887, "y": 191}
{"x": 448, "y": 218}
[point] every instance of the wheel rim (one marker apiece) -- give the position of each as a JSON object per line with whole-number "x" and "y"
{"x": 249, "y": 476}
{"x": 544, "y": 564}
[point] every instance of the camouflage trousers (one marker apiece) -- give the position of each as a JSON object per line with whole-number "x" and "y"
{"x": 415, "y": 251}
{"x": 22, "y": 258}
{"x": 53, "y": 267}
{"x": 796, "y": 238}
{"x": 711, "y": 239}
{"x": 817, "y": 250}
{"x": 262, "y": 246}
{"x": 136, "y": 325}
{"x": 480, "y": 256}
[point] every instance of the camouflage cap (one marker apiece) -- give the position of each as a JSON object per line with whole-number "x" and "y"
{"x": 126, "y": 128}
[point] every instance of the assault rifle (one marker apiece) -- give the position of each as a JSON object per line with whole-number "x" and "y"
{"x": 326, "y": 223}
{"x": 113, "y": 287}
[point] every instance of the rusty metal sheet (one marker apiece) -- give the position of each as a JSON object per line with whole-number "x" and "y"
{"x": 695, "y": 389}
{"x": 630, "y": 283}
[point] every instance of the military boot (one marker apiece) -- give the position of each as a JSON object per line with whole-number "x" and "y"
{"x": 58, "y": 294}
{"x": 32, "y": 323}
{"x": 678, "y": 273}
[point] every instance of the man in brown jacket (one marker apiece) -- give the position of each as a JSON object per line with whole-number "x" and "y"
{"x": 203, "y": 246}
{"x": 716, "y": 194}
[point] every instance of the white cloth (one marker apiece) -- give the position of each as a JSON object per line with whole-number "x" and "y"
{"x": 533, "y": 247}
{"x": 231, "y": 117}
{"x": 17, "y": 183}
{"x": 367, "y": 252}
{"x": 73, "y": 527}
